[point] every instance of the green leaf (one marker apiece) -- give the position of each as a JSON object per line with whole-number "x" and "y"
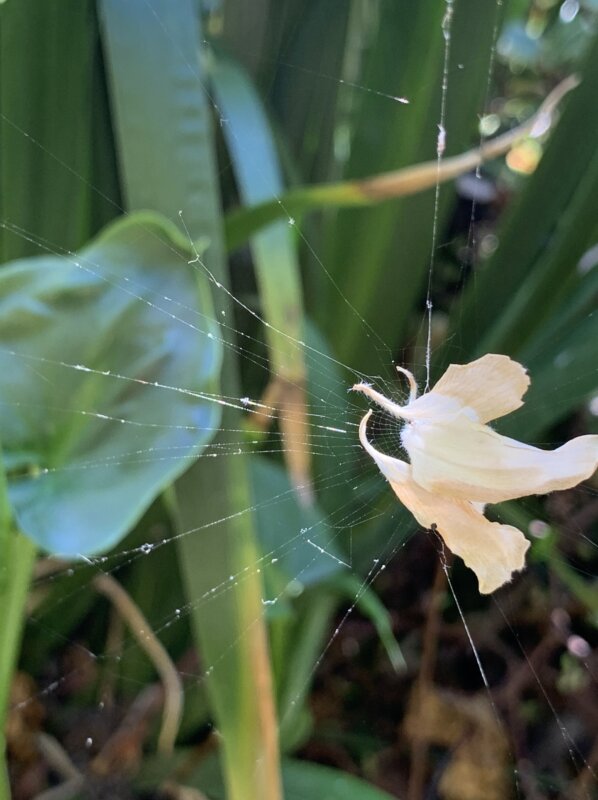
{"x": 255, "y": 163}
{"x": 302, "y": 780}
{"x": 82, "y": 341}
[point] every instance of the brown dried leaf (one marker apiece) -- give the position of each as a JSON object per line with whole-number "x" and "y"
{"x": 478, "y": 768}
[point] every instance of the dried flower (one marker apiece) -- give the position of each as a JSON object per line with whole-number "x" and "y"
{"x": 458, "y": 463}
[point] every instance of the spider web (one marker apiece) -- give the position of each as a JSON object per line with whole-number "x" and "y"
{"x": 92, "y": 661}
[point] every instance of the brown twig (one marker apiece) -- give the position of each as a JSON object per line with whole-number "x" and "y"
{"x": 123, "y": 750}
{"x": 141, "y": 630}
{"x": 419, "y": 746}
{"x": 59, "y": 760}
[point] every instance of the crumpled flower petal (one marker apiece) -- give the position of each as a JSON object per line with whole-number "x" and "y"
{"x": 461, "y": 458}
{"x": 458, "y": 464}
{"x": 492, "y": 385}
{"x": 493, "y": 551}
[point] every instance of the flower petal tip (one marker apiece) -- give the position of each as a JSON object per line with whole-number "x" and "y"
{"x": 508, "y": 558}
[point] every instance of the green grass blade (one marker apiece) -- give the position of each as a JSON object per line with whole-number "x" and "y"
{"x": 57, "y": 177}
{"x": 548, "y": 280}
{"x": 168, "y": 161}
{"x": 370, "y": 605}
{"x": 382, "y": 253}
{"x": 17, "y": 555}
{"x": 525, "y": 271}
{"x": 255, "y": 164}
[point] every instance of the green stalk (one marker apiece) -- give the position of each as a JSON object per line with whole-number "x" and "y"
{"x": 17, "y": 554}
{"x": 156, "y": 87}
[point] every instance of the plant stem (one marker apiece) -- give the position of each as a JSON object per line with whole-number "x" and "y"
{"x": 419, "y": 746}
{"x": 17, "y": 554}
{"x": 14, "y": 585}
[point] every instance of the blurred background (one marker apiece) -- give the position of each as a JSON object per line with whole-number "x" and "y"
{"x": 216, "y": 217}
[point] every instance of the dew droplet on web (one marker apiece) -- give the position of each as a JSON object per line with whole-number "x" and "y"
{"x": 578, "y": 647}
{"x": 538, "y": 529}
{"x": 146, "y": 548}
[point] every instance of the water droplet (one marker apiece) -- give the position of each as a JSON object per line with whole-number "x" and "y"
{"x": 538, "y": 528}
{"x": 146, "y": 548}
{"x": 578, "y": 647}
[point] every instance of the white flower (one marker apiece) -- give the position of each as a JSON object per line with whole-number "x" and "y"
{"x": 458, "y": 463}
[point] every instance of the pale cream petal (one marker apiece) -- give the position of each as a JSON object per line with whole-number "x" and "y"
{"x": 463, "y": 459}
{"x": 493, "y": 551}
{"x": 492, "y": 386}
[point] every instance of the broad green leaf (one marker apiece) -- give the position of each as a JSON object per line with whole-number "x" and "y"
{"x": 89, "y": 440}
